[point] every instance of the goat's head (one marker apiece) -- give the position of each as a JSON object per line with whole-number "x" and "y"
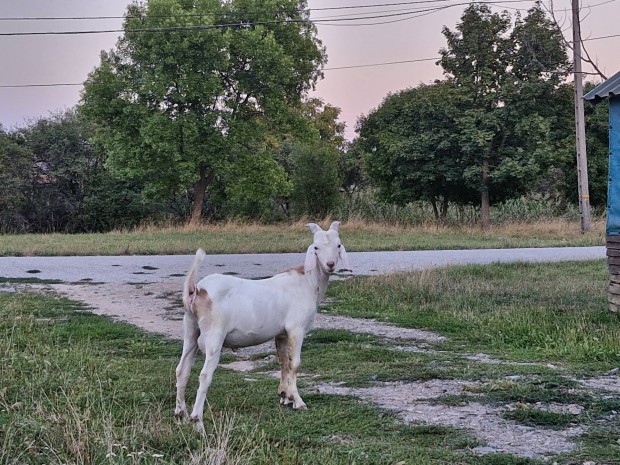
{"x": 326, "y": 250}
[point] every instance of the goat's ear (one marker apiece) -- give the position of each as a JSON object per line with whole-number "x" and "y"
{"x": 314, "y": 227}
{"x": 335, "y": 225}
{"x": 310, "y": 261}
{"x": 344, "y": 259}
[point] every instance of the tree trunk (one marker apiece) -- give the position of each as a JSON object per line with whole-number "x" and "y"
{"x": 484, "y": 201}
{"x": 435, "y": 210}
{"x": 444, "y": 211}
{"x": 200, "y": 192}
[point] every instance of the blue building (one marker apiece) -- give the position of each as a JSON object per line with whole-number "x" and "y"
{"x": 610, "y": 90}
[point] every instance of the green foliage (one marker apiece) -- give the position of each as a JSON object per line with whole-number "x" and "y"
{"x": 15, "y": 170}
{"x": 193, "y": 98}
{"x": 48, "y": 168}
{"x": 352, "y": 172}
{"x": 597, "y": 146}
{"x": 511, "y": 79}
{"x": 413, "y": 149}
{"x": 315, "y": 180}
{"x": 490, "y": 131}
{"x": 253, "y": 182}
{"x": 65, "y": 163}
{"x": 110, "y": 203}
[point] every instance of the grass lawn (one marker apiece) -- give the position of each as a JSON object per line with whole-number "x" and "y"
{"x": 76, "y": 388}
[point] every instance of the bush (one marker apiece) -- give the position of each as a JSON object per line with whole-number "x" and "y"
{"x": 314, "y": 175}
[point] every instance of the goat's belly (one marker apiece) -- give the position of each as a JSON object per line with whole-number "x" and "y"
{"x": 238, "y": 338}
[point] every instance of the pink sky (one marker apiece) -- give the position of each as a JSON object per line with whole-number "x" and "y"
{"x": 68, "y": 59}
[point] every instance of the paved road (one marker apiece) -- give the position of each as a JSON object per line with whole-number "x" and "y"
{"x": 152, "y": 269}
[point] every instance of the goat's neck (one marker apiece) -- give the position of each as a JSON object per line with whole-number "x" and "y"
{"x": 319, "y": 280}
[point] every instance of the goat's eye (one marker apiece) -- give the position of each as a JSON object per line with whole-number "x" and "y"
{"x": 339, "y": 245}
{"x": 316, "y": 248}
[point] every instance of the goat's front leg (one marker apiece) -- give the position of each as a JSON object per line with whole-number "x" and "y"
{"x": 190, "y": 347}
{"x": 213, "y": 349}
{"x": 295, "y": 341}
{"x": 282, "y": 351}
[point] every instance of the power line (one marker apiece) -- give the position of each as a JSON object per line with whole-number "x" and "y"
{"x": 18, "y": 86}
{"x": 381, "y": 64}
{"x": 244, "y": 24}
{"x": 197, "y": 15}
{"x": 335, "y": 68}
{"x": 410, "y": 15}
{"x": 9, "y": 86}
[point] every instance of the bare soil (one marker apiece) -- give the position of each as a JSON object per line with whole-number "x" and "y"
{"x": 157, "y": 308}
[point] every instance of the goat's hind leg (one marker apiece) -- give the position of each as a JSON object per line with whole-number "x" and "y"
{"x": 213, "y": 341}
{"x": 283, "y": 356}
{"x": 190, "y": 347}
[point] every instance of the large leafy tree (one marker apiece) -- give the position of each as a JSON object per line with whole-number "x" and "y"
{"x": 510, "y": 78}
{"x": 413, "y": 147}
{"x": 490, "y": 131}
{"x": 64, "y": 164}
{"x": 194, "y": 86}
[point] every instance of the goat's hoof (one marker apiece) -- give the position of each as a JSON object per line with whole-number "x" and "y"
{"x": 197, "y": 424}
{"x": 180, "y": 415}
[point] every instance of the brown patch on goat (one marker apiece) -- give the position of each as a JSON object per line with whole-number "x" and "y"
{"x": 202, "y": 303}
{"x": 298, "y": 269}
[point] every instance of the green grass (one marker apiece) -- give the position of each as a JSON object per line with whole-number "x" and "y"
{"x": 535, "y": 417}
{"x": 253, "y": 238}
{"x": 77, "y": 388}
{"x": 524, "y": 312}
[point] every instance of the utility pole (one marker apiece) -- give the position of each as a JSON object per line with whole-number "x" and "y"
{"x": 580, "y": 125}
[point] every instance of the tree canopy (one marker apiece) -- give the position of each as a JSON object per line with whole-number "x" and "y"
{"x": 487, "y": 128}
{"x": 194, "y": 86}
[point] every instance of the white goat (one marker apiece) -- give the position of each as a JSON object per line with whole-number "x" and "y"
{"x": 225, "y": 311}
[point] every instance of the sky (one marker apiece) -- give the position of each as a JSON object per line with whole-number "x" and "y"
{"x": 356, "y": 90}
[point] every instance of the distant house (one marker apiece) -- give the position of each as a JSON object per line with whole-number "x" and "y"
{"x": 610, "y": 90}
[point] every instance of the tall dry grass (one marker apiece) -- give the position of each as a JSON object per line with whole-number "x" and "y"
{"x": 235, "y": 236}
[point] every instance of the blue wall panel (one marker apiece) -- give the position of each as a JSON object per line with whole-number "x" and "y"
{"x": 613, "y": 192}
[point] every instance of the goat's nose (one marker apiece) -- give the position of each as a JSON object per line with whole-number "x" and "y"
{"x": 331, "y": 265}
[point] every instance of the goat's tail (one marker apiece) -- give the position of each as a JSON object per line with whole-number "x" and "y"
{"x": 189, "y": 288}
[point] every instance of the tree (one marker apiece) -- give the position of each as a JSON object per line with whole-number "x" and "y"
{"x": 351, "y": 169}
{"x": 315, "y": 180}
{"x": 323, "y": 122}
{"x": 64, "y": 163}
{"x": 254, "y": 182}
{"x": 412, "y": 147}
{"x": 597, "y": 137}
{"x": 510, "y": 80}
{"x": 193, "y": 84}
{"x": 15, "y": 171}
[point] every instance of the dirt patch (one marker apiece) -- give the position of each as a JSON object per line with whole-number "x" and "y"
{"x": 605, "y": 383}
{"x": 157, "y": 307}
{"x": 411, "y": 402}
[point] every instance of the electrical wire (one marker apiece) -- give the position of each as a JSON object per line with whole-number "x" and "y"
{"x": 197, "y": 15}
{"x": 245, "y": 24}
